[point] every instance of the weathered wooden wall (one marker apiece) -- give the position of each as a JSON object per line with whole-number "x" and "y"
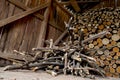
{"x": 108, "y": 3}
{"x": 22, "y": 35}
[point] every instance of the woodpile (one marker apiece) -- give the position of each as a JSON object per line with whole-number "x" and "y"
{"x": 93, "y": 47}
{"x": 69, "y": 58}
{"x": 105, "y": 49}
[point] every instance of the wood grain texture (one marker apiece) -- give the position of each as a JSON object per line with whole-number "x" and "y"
{"x": 21, "y": 15}
{"x": 22, "y": 35}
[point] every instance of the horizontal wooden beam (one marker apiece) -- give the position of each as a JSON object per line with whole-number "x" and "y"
{"x": 23, "y": 7}
{"x": 21, "y": 15}
{"x": 80, "y": 1}
{"x": 38, "y": 15}
{"x": 61, "y": 6}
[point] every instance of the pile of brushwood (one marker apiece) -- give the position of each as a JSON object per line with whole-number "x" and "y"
{"x": 70, "y": 58}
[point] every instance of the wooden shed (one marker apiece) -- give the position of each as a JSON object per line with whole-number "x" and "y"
{"x": 27, "y": 24}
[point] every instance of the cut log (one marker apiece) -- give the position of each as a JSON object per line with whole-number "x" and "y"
{"x": 101, "y": 27}
{"x": 114, "y": 66}
{"x": 108, "y": 46}
{"x": 117, "y": 62}
{"x": 99, "y": 40}
{"x": 108, "y": 23}
{"x": 112, "y": 53}
{"x": 118, "y": 69}
{"x": 106, "y": 52}
{"x": 116, "y": 75}
{"x": 118, "y": 44}
{"x": 109, "y": 35}
{"x": 106, "y": 62}
{"x": 115, "y": 37}
{"x": 109, "y": 58}
{"x": 118, "y": 54}
{"x": 112, "y": 62}
{"x": 100, "y": 44}
{"x": 99, "y": 52}
{"x": 85, "y": 31}
{"x": 108, "y": 74}
{"x": 113, "y": 43}
{"x": 112, "y": 70}
{"x": 115, "y": 49}
{"x": 115, "y": 57}
{"x": 105, "y": 41}
{"x": 94, "y": 43}
{"x": 91, "y": 46}
{"x": 103, "y": 57}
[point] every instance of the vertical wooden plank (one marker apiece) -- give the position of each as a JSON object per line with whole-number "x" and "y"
{"x": 37, "y": 31}
{"x": 44, "y": 26}
{"x": 27, "y": 34}
{"x": 118, "y": 3}
{"x": 4, "y": 10}
{"x": 20, "y": 24}
{"x": 57, "y": 34}
{"x": 13, "y": 32}
{"x": 31, "y": 32}
{"x": 50, "y": 33}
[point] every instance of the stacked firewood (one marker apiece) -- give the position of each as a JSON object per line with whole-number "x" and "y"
{"x": 106, "y": 49}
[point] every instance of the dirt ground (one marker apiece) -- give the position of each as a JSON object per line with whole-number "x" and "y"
{"x": 40, "y": 75}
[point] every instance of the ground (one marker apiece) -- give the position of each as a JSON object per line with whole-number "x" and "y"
{"x": 40, "y": 75}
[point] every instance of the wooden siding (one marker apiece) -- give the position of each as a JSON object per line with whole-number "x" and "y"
{"x": 22, "y": 35}
{"x": 107, "y": 3}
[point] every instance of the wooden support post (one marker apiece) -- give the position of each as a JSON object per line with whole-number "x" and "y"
{"x": 75, "y": 5}
{"x": 21, "y": 15}
{"x": 57, "y": 3}
{"x": 44, "y": 25}
{"x": 38, "y": 15}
